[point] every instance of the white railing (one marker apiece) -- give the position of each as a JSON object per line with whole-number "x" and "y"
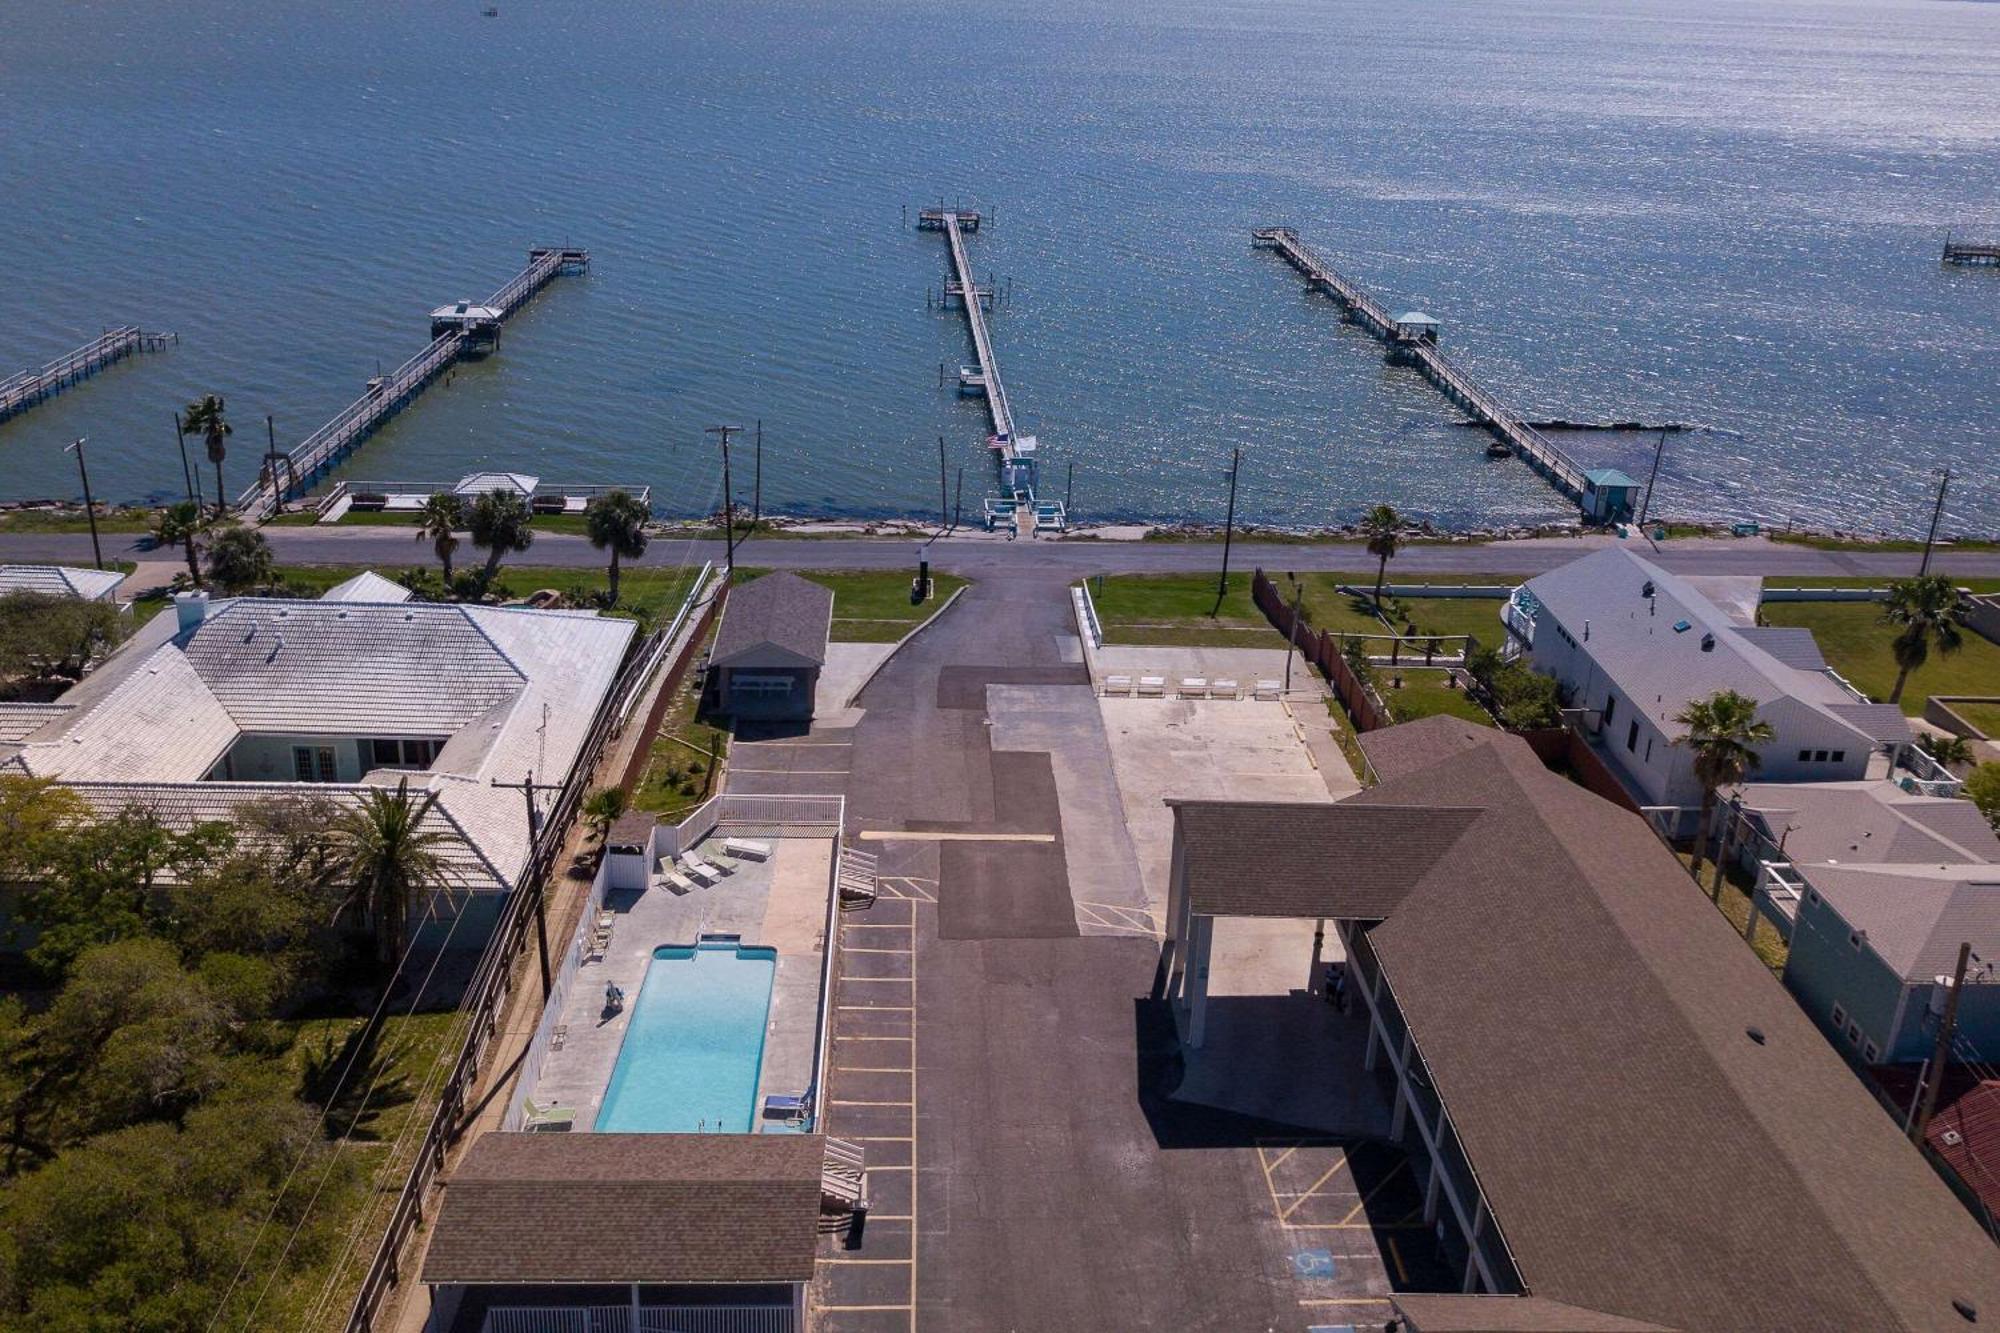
{"x": 537, "y": 1053}
{"x": 667, "y": 643}
{"x": 1847, "y": 685}
{"x": 652, "y": 1319}
{"x": 1776, "y": 897}
{"x": 1088, "y": 609}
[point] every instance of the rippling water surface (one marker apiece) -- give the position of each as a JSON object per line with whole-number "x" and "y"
{"x": 1716, "y": 211}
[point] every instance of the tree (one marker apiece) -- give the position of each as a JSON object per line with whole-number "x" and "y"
{"x": 204, "y": 417}
{"x": 388, "y": 861}
{"x": 43, "y": 635}
{"x": 616, "y": 521}
{"x": 178, "y": 525}
{"x": 1954, "y": 752}
{"x": 500, "y": 526}
{"x": 1724, "y": 732}
{"x": 239, "y": 559}
{"x": 1982, "y": 788}
{"x": 1383, "y": 527}
{"x": 438, "y": 523}
{"x": 34, "y": 814}
{"x": 602, "y": 809}
{"x": 1929, "y": 608}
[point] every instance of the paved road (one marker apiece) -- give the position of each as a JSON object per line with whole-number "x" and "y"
{"x": 974, "y": 556}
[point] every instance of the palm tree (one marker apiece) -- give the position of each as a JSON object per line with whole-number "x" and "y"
{"x": 1954, "y": 752}
{"x": 1930, "y": 609}
{"x": 617, "y": 521}
{"x": 438, "y": 523}
{"x": 1724, "y": 732}
{"x": 178, "y": 525}
{"x": 239, "y": 558}
{"x": 388, "y": 861}
{"x": 1382, "y": 526}
{"x": 602, "y": 809}
{"x": 499, "y": 522}
{"x": 204, "y": 418}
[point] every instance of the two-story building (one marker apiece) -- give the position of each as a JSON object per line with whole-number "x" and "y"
{"x": 1633, "y": 645}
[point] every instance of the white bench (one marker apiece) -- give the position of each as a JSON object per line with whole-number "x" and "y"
{"x": 1223, "y": 689}
{"x": 756, "y": 851}
{"x": 1269, "y": 689}
{"x": 1121, "y": 685}
{"x": 1194, "y": 687}
{"x": 1152, "y": 687}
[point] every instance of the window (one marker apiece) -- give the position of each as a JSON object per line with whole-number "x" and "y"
{"x": 302, "y": 763}
{"x": 314, "y": 763}
{"x": 1870, "y": 1052}
{"x": 1649, "y": 749}
{"x": 1819, "y": 756}
{"x": 1840, "y": 756}
{"x": 1856, "y": 938}
{"x": 760, "y": 685}
{"x": 1853, "y": 1033}
{"x": 1805, "y": 756}
{"x": 392, "y": 753}
{"x": 1610, "y": 708}
{"x": 1839, "y": 1014}
{"x": 1812, "y": 896}
{"x": 1632, "y": 736}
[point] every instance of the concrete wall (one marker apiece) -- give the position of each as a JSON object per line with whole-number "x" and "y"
{"x": 1938, "y": 711}
{"x": 1983, "y": 617}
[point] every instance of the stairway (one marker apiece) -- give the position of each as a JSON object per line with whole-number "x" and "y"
{"x": 857, "y": 877}
{"x": 843, "y": 1181}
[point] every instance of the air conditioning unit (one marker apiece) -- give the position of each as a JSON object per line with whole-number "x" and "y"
{"x": 1940, "y": 987}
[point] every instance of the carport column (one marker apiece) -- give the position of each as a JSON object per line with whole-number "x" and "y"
{"x": 1319, "y": 945}
{"x": 1176, "y": 923}
{"x": 1472, "y": 1244}
{"x": 1397, "y": 1125}
{"x": 1204, "y": 937}
{"x": 635, "y": 1307}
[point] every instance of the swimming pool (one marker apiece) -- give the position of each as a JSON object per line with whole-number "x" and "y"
{"x": 690, "y": 1058}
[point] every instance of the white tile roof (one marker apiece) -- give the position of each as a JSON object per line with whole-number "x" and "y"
{"x": 512, "y": 690}
{"x": 60, "y": 581}
{"x": 349, "y": 669}
{"x": 19, "y": 721}
{"x": 367, "y": 586}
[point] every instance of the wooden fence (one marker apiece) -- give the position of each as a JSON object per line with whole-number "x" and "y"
{"x": 1564, "y": 751}
{"x": 1322, "y": 649}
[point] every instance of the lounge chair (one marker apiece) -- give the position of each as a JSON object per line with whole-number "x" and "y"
{"x": 675, "y": 880}
{"x": 547, "y": 1119}
{"x": 786, "y": 1108}
{"x": 728, "y": 865}
{"x": 700, "y": 869}
{"x": 756, "y": 851}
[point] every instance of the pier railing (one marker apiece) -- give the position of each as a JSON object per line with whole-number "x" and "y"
{"x": 997, "y": 406}
{"x": 21, "y": 391}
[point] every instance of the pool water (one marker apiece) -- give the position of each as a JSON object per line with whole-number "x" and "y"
{"x": 690, "y": 1058}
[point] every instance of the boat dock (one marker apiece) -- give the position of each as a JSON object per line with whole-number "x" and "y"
{"x": 1412, "y": 340}
{"x": 1961, "y": 252}
{"x": 1019, "y": 505}
{"x": 20, "y": 392}
{"x": 459, "y": 330}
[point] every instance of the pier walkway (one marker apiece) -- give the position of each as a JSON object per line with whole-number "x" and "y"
{"x": 1961, "y": 252}
{"x": 20, "y": 392}
{"x": 458, "y": 331}
{"x": 971, "y": 298}
{"x": 1521, "y": 439}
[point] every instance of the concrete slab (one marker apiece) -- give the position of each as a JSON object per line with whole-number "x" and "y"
{"x": 1245, "y": 666}
{"x": 1215, "y": 750}
{"x": 1250, "y": 1063}
{"x": 847, "y": 665}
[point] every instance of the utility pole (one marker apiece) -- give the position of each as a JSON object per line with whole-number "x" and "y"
{"x": 1937, "y": 513}
{"x": 89, "y": 508}
{"x": 757, "y": 483}
{"x": 187, "y": 472}
{"x": 958, "y": 501}
{"x": 728, "y": 501}
{"x": 1647, "y": 503}
{"x": 1292, "y": 639}
{"x": 1228, "y": 527}
{"x": 1942, "y": 1050}
{"x": 944, "y": 496}
{"x": 528, "y": 787}
{"x": 1069, "y": 490}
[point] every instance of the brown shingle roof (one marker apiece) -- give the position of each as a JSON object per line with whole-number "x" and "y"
{"x": 617, "y": 1208}
{"x": 1428, "y": 1313}
{"x": 1584, "y": 1014}
{"x": 1270, "y": 859}
{"x": 781, "y": 609}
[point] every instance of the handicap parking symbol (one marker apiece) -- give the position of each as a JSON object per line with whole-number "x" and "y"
{"x": 1312, "y": 1263}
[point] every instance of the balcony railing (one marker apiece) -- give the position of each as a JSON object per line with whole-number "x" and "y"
{"x": 652, "y": 1319}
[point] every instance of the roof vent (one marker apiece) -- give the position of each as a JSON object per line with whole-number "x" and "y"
{"x": 1755, "y": 1034}
{"x": 1952, "y": 1138}
{"x": 1708, "y": 643}
{"x": 1966, "y": 1309}
{"x": 1682, "y": 627}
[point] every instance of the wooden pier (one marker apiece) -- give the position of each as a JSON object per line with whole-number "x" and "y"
{"x": 985, "y": 376}
{"x": 1967, "y": 253}
{"x": 457, "y": 332}
{"x": 1521, "y": 439}
{"x": 20, "y": 392}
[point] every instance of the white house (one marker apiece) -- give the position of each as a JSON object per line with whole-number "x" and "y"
{"x": 92, "y": 585}
{"x": 1633, "y": 645}
{"x": 246, "y": 699}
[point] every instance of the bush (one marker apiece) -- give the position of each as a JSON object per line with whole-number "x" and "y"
{"x": 1982, "y": 788}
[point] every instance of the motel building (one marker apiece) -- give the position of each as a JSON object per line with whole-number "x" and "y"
{"x": 1619, "y": 1119}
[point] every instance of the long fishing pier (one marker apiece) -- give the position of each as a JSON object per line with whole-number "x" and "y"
{"x": 972, "y": 298}
{"x": 1417, "y": 346}
{"x": 459, "y": 330}
{"x": 20, "y": 392}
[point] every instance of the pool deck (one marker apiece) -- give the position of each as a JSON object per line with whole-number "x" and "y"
{"x": 780, "y": 903}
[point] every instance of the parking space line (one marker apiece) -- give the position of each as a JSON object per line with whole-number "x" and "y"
{"x": 843, "y": 1101}
{"x": 1394, "y": 1171}
{"x": 837, "y": 1259}
{"x": 871, "y": 1069}
{"x": 1285, "y": 1215}
{"x": 879, "y": 1008}
{"x": 910, "y": 1308}
{"x": 855, "y": 948}
{"x": 843, "y": 1037}
{"x": 878, "y": 1138}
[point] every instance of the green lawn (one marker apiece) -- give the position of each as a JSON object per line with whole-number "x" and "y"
{"x": 1425, "y": 694}
{"x": 874, "y": 606}
{"x": 1986, "y": 717}
{"x": 648, "y": 594}
{"x": 678, "y": 773}
{"x": 1855, "y": 641}
{"x": 403, "y": 518}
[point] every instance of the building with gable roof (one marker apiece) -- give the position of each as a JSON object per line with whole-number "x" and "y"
{"x": 92, "y": 585}
{"x": 770, "y": 648}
